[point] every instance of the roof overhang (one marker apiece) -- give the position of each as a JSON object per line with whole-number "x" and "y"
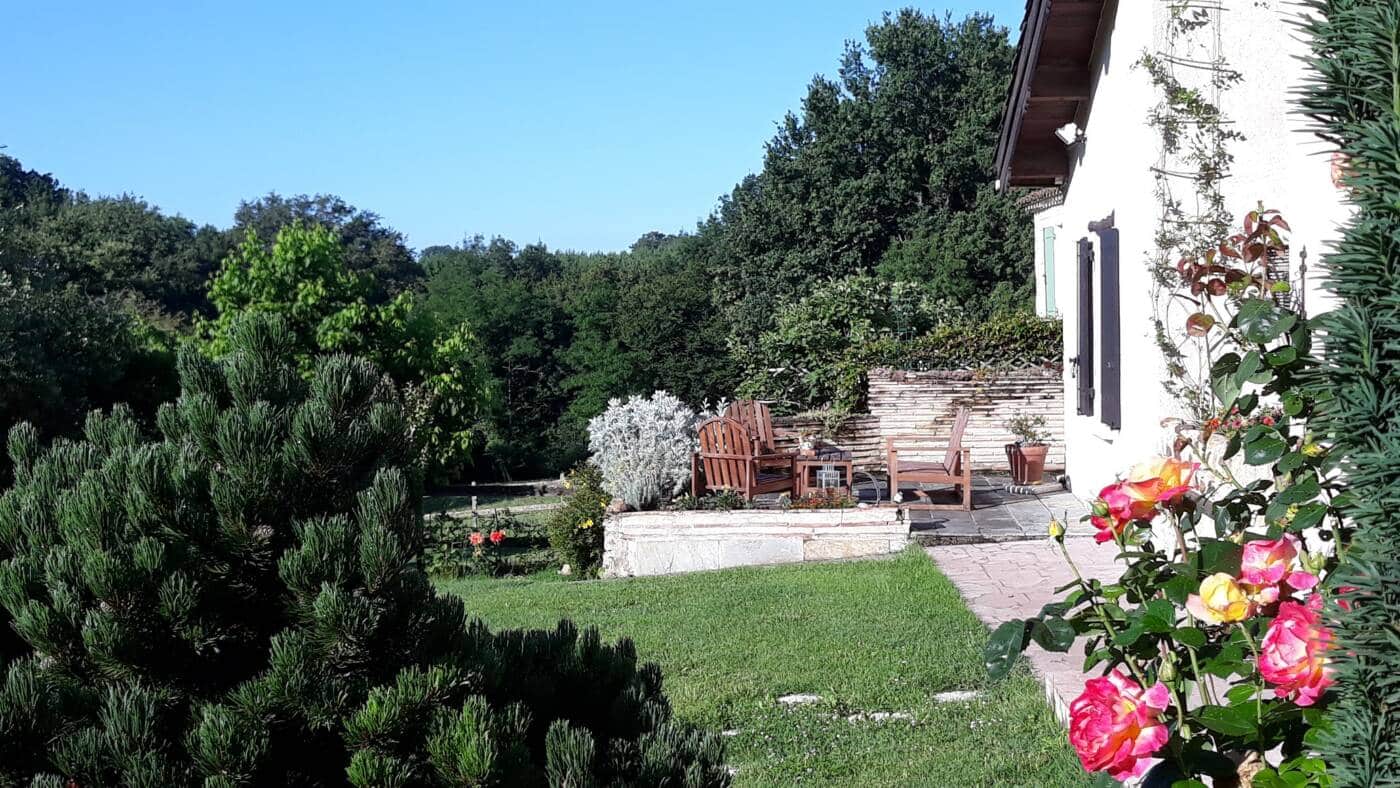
{"x": 1053, "y": 79}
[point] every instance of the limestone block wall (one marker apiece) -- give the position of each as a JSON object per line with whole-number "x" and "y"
{"x": 925, "y": 404}
{"x": 637, "y": 544}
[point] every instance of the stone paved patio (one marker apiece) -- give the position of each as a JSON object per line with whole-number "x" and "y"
{"x": 997, "y": 515}
{"x": 1013, "y": 580}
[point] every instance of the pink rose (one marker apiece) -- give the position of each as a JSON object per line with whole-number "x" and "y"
{"x": 1293, "y": 653}
{"x": 1116, "y": 727}
{"x": 1120, "y": 506}
{"x": 1270, "y": 562}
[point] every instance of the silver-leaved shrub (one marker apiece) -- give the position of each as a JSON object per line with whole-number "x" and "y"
{"x": 643, "y": 447}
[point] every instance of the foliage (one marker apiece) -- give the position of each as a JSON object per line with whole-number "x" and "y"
{"x": 1351, "y": 99}
{"x": 1216, "y": 617}
{"x": 643, "y": 447}
{"x": 722, "y": 501}
{"x": 303, "y": 278}
{"x": 641, "y": 322}
{"x": 798, "y": 359}
{"x": 809, "y": 362}
{"x": 1028, "y": 429}
{"x": 63, "y": 353}
{"x": 888, "y": 165}
{"x": 576, "y": 530}
{"x": 506, "y": 297}
{"x": 239, "y": 602}
{"x": 370, "y": 249}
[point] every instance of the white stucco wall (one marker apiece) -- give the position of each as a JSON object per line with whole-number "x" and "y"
{"x": 1279, "y": 162}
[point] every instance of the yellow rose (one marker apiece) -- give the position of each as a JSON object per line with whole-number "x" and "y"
{"x": 1056, "y": 529}
{"x": 1221, "y": 601}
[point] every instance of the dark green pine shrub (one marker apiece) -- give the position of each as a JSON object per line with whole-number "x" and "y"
{"x": 1352, "y": 97}
{"x": 240, "y": 602}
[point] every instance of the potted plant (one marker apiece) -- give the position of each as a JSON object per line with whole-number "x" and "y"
{"x": 1027, "y": 454}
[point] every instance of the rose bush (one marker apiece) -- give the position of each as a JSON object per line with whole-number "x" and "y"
{"x": 1214, "y": 654}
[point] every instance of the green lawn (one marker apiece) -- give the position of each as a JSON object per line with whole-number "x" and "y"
{"x": 871, "y": 636}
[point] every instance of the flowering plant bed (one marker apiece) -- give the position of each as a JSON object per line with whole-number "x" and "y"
{"x": 1214, "y": 656}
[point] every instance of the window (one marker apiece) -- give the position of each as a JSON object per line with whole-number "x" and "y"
{"x": 1048, "y": 242}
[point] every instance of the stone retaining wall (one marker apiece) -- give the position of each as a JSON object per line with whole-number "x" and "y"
{"x": 925, "y": 403}
{"x": 662, "y": 543}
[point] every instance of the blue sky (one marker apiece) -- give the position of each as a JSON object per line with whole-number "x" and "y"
{"x": 582, "y": 125}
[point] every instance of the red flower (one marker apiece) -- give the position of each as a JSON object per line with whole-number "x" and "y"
{"x": 476, "y": 538}
{"x": 497, "y": 537}
{"x": 1267, "y": 421}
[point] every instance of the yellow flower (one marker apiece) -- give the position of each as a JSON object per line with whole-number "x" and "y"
{"x": 586, "y": 524}
{"x": 1221, "y": 601}
{"x": 1056, "y": 529}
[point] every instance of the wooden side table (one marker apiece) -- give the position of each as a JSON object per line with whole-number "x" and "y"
{"x": 805, "y": 468}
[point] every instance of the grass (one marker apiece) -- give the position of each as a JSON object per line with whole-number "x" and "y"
{"x": 866, "y": 636}
{"x": 444, "y": 503}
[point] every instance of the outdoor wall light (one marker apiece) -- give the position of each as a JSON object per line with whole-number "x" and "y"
{"x": 1070, "y": 133}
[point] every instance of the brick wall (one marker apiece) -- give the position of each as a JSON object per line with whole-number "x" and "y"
{"x": 925, "y": 403}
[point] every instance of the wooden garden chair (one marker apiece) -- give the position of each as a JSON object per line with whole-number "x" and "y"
{"x": 758, "y": 420}
{"x": 727, "y": 460}
{"x": 955, "y": 469}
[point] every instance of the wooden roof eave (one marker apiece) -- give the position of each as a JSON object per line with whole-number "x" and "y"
{"x": 1049, "y": 88}
{"x": 1027, "y": 55}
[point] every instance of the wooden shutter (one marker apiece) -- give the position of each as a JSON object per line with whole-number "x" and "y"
{"x": 1110, "y": 361}
{"x": 1084, "y": 320}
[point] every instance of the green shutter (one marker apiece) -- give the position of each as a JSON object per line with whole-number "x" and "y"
{"x": 1049, "y": 241}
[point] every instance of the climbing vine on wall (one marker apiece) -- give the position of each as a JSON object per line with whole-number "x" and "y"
{"x": 1190, "y": 73}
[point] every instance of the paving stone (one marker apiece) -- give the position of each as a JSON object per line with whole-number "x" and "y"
{"x": 956, "y": 696}
{"x": 993, "y": 580}
{"x": 798, "y": 699}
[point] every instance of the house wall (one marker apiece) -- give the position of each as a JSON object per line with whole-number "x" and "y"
{"x": 1279, "y": 162}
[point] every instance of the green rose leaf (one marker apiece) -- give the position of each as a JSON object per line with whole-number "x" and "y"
{"x": 1268, "y": 446}
{"x": 1129, "y": 636}
{"x": 1189, "y": 636}
{"x": 1229, "y": 720}
{"x": 1159, "y": 617}
{"x": 1300, "y": 491}
{"x": 1291, "y": 461}
{"x": 1240, "y": 694}
{"x": 1282, "y": 356}
{"x": 1052, "y": 634}
{"x": 1261, "y": 321}
{"x": 1003, "y": 647}
{"x": 1307, "y": 516}
{"x": 1219, "y": 555}
{"x": 1292, "y": 404}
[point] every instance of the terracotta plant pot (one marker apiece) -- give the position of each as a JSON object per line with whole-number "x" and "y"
{"x": 1027, "y": 463}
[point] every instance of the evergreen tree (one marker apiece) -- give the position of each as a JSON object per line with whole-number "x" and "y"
{"x": 1352, "y": 98}
{"x": 240, "y": 602}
